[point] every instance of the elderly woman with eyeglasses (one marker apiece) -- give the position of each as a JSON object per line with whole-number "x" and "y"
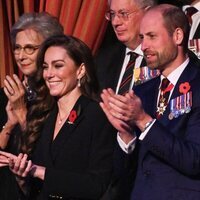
{"x": 27, "y": 34}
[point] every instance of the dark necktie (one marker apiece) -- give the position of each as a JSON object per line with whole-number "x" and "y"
{"x": 164, "y": 96}
{"x": 189, "y": 12}
{"x": 128, "y": 74}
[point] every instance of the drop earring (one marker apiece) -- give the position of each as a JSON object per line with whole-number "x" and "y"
{"x": 79, "y": 82}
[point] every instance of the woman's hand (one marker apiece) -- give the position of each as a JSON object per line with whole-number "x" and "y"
{"x": 5, "y": 157}
{"x": 15, "y": 91}
{"x": 20, "y": 165}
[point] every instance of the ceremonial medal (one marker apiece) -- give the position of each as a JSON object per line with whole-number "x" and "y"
{"x": 143, "y": 74}
{"x": 180, "y": 105}
{"x": 162, "y": 106}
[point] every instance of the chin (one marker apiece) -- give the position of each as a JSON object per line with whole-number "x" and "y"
{"x": 53, "y": 94}
{"x": 152, "y": 65}
{"x": 28, "y": 72}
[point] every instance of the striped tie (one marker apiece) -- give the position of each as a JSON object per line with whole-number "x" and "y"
{"x": 128, "y": 74}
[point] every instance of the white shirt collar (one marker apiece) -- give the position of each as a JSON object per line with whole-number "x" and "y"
{"x": 197, "y": 6}
{"x": 175, "y": 75}
{"x": 136, "y": 50}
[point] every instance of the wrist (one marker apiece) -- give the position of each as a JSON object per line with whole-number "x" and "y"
{"x": 148, "y": 124}
{"x": 144, "y": 123}
{"x": 38, "y": 172}
{"x": 7, "y": 128}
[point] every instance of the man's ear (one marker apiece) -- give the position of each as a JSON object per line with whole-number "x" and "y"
{"x": 81, "y": 71}
{"x": 178, "y": 36}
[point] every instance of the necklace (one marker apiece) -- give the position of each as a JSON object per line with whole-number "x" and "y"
{"x": 60, "y": 119}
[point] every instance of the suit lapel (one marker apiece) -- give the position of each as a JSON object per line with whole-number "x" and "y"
{"x": 68, "y": 129}
{"x": 47, "y": 136}
{"x": 148, "y": 92}
{"x": 115, "y": 67}
{"x": 187, "y": 75}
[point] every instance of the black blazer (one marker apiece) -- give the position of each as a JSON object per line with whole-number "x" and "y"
{"x": 109, "y": 63}
{"x": 79, "y": 160}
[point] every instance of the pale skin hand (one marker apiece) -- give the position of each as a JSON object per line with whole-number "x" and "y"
{"x": 5, "y": 157}
{"x": 124, "y": 111}
{"x": 115, "y": 114}
{"x": 21, "y": 167}
{"x": 15, "y": 91}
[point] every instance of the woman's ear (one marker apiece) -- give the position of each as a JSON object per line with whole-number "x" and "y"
{"x": 178, "y": 36}
{"x": 81, "y": 71}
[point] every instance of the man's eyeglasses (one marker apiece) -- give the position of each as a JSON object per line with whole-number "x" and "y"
{"x": 110, "y": 15}
{"x": 28, "y": 49}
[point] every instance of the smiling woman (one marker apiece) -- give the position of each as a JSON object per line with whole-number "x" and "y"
{"x": 73, "y": 149}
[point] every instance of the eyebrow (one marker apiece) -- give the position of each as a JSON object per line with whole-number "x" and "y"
{"x": 54, "y": 61}
{"x": 120, "y": 10}
{"x": 148, "y": 33}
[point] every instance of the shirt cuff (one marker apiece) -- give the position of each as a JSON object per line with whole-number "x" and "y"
{"x": 127, "y": 148}
{"x": 144, "y": 133}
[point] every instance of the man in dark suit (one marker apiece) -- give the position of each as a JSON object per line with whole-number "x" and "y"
{"x": 111, "y": 61}
{"x": 164, "y": 125}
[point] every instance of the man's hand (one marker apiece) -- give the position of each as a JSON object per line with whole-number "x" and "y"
{"x": 124, "y": 112}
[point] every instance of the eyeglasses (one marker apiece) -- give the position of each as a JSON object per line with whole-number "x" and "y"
{"x": 28, "y": 49}
{"x": 110, "y": 15}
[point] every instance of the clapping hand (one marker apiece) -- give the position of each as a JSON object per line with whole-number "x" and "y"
{"x": 113, "y": 106}
{"x": 5, "y": 158}
{"x": 19, "y": 165}
{"x": 15, "y": 91}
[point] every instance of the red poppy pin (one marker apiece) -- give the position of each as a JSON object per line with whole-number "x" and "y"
{"x": 184, "y": 87}
{"x": 73, "y": 115}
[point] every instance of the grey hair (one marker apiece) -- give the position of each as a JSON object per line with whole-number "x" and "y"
{"x": 43, "y": 23}
{"x": 142, "y": 3}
